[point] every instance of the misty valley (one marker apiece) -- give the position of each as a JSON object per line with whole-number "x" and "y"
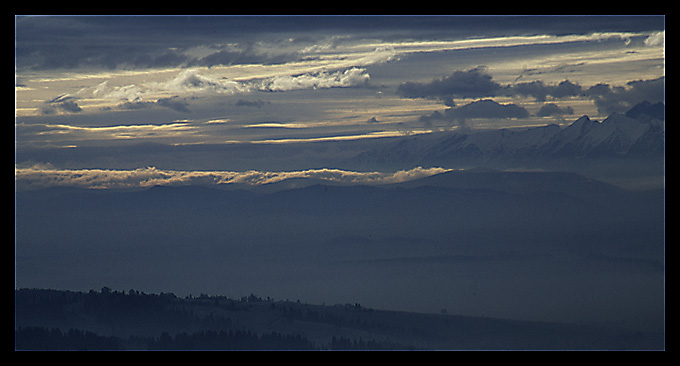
{"x": 538, "y": 246}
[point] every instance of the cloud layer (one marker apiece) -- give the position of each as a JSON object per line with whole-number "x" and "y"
{"x": 41, "y": 176}
{"x": 119, "y": 82}
{"x": 152, "y": 42}
{"x": 197, "y": 82}
{"x": 485, "y": 108}
{"x": 476, "y": 82}
{"x": 462, "y": 84}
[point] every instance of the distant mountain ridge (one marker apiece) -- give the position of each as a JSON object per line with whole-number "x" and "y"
{"x": 653, "y": 111}
{"x": 450, "y": 194}
{"x": 637, "y": 134}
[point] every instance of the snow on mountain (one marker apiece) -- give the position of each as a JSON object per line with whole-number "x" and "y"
{"x": 617, "y": 136}
{"x": 613, "y": 136}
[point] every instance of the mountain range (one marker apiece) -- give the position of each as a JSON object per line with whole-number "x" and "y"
{"x": 630, "y": 143}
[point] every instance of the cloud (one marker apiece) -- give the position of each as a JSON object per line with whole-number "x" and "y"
{"x": 64, "y": 103}
{"x": 552, "y": 109}
{"x": 173, "y": 103}
{"x": 195, "y": 82}
{"x": 147, "y": 42}
{"x": 540, "y": 91}
{"x": 45, "y": 175}
{"x": 463, "y": 84}
{"x": 656, "y": 39}
{"x": 476, "y": 83}
{"x": 608, "y": 99}
{"x": 190, "y": 80}
{"x": 565, "y": 89}
{"x": 619, "y": 99}
{"x": 242, "y": 54}
{"x": 251, "y": 103}
{"x": 62, "y": 133}
{"x": 485, "y": 108}
{"x": 319, "y": 80}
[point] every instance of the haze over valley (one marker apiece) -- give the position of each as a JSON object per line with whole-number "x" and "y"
{"x": 504, "y": 168}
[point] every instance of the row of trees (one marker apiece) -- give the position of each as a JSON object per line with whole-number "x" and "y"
{"x": 40, "y": 338}
{"x": 230, "y": 340}
{"x": 169, "y": 316}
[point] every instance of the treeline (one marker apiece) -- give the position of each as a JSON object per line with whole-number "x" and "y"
{"x": 47, "y": 320}
{"x": 43, "y": 339}
{"x": 245, "y": 340}
{"x": 40, "y": 339}
{"x": 106, "y": 305}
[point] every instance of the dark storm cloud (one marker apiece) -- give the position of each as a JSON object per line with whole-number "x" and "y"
{"x": 251, "y": 103}
{"x": 44, "y": 42}
{"x": 470, "y": 83}
{"x": 47, "y": 42}
{"x": 68, "y": 42}
{"x": 63, "y": 103}
{"x": 55, "y": 42}
{"x": 610, "y": 99}
{"x": 552, "y": 109}
{"x": 66, "y": 106}
{"x": 485, "y": 109}
{"x": 247, "y": 55}
{"x": 476, "y": 83}
{"x": 540, "y": 91}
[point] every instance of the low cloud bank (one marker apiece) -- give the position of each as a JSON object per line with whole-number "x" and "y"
{"x": 42, "y": 176}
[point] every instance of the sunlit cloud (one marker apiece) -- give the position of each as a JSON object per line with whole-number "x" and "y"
{"x": 405, "y": 47}
{"x": 72, "y": 135}
{"x": 276, "y": 125}
{"x": 350, "y": 137}
{"x": 199, "y": 81}
{"x": 656, "y": 39}
{"x": 319, "y": 63}
{"x": 45, "y": 175}
{"x": 323, "y": 80}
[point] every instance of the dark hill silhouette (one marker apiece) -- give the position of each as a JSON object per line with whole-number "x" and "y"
{"x": 519, "y": 181}
{"x": 654, "y": 111}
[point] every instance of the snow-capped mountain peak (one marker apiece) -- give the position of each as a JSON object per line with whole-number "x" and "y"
{"x": 617, "y": 136}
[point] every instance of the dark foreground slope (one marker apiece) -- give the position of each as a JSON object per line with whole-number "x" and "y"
{"x": 51, "y": 319}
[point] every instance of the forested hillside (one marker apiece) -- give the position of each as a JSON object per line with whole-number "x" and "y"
{"x": 118, "y": 320}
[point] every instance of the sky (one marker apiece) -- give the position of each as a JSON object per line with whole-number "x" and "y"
{"x": 223, "y": 97}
